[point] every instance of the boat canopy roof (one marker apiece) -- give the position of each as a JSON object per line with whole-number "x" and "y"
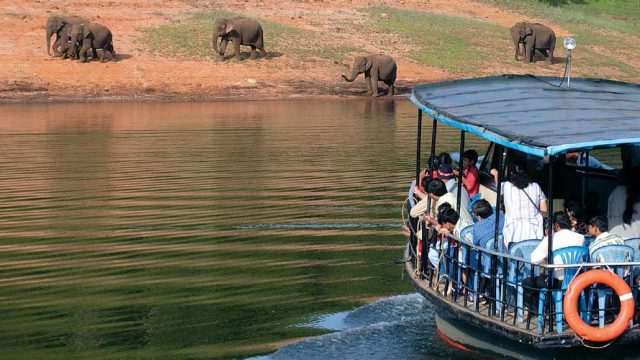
{"x": 534, "y": 114}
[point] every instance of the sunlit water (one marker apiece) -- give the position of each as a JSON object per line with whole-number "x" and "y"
{"x": 209, "y": 230}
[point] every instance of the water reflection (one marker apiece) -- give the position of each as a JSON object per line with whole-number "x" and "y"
{"x": 196, "y": 230}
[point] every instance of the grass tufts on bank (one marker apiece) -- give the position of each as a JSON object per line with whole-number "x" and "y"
{"x": 459, "y": 45}
{"x": 191, "y": 39}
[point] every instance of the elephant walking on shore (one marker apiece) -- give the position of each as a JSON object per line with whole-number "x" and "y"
{"x": 535, "y": 38}
{"x": 92, "y": 36}
{"x": 375, "y": 68}
{"x": 240, "y": 31}
{"x": 60, "y": 25}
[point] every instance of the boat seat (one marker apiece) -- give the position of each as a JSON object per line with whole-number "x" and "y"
{"x": 610, "y": 253}
{"x": 568, "y": 255}
{"x": 520, "y": 270}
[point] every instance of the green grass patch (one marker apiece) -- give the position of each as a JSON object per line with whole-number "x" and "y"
{"x": 459, "y": 45}
{"x": 607, "y": 31}
{"x": 618, "y": 15}
{"x": 191, "y": 38}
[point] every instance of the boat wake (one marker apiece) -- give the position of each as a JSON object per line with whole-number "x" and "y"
{"x": 397, "y": 327}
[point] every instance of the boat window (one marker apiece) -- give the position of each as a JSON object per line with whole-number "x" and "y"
{"x": 485, "y": 166}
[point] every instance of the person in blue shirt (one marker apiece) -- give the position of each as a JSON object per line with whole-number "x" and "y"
{"x": 485, "y": 227}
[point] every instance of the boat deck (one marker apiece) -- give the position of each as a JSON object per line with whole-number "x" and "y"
{"x": 502, "y": 322}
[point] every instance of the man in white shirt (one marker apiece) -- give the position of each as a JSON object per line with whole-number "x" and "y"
{"x": 598, "y": 227}
{"x": 562, "y": 237}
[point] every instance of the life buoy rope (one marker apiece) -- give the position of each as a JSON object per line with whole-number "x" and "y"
{"x": 572, "y": 316}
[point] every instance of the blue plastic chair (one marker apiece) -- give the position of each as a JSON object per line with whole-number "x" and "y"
{"x": 472, "y": 279}
{"x": 567, "y": 255}
{"x": 485, "y": 270}
{"x": 517, "y": 271}
{"x": 466, "y": 235}
{"x": 610, "y": 253}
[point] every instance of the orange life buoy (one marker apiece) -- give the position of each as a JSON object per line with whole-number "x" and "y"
{"x": 570, "y": 306}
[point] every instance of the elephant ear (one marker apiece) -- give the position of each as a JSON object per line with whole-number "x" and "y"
{"x": 230, "y": 28}
{"x": 368, "y": 65}
{"x": 59, "y": 24}
{"x": 86, "y": 33}
{"x": 528, "y": 30}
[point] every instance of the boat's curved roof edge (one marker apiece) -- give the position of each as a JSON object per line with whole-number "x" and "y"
{"x": 534, "y": 115}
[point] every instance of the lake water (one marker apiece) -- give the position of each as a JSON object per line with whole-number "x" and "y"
{"x": 209, "y": 230}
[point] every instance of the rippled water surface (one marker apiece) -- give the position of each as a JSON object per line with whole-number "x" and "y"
{"x": 208, "y": 230}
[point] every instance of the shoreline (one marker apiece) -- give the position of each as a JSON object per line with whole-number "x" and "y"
{"x": 46, "y": 98}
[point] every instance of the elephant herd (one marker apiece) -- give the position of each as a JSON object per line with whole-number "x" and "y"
{"x": 537, "y": 41}
{"x": 75, "y": 35}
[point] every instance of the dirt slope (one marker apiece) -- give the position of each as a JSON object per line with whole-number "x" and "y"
{"x": 29, "y": 74}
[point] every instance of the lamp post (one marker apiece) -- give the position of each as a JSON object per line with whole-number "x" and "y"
{"x": 569, "y": 44}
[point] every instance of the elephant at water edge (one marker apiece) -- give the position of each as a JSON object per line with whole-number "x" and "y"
{"x": 92, "y": 36}
{"x": 533, "y": 37}
{"x": 375, "y": 68}
{"x": 240, "y": 31}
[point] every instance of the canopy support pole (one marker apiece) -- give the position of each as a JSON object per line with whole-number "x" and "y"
{"x": 585, "y": 180}
{"x": 418, "y": 147}
{"x": 460, "y": 170}
{"x": 496, "y": 229}
{"x": 550, "y": 240}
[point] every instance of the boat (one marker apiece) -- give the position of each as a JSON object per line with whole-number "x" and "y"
{"x": 541, "y": 120}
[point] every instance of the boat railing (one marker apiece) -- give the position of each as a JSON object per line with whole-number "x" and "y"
{"x": 494, "y": 284}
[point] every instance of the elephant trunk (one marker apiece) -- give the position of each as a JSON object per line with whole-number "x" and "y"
{"x": 354, "y": 75}
{"x": 214, "y": 42}
{"x": 49, "y": 34}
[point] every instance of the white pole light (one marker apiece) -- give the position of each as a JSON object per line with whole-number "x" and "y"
{"x": 569, "y": 44}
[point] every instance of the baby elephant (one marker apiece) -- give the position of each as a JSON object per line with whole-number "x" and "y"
{"x": 375, "y": 68}
{"x": 91, "y": 36}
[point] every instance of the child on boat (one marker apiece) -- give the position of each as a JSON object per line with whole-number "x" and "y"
{"x": 470, "y": 173}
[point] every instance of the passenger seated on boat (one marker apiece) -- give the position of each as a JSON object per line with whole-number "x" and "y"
{"x": 449, "y": 222}
{"x": 424, "y": 174}
{"x": 445, "y": 159}
{"x": 470, "y": 173}
{"x": 437, "y": 191}
{"x": 483, "y": 231}
{"x": 525, "y": 205}
{"x": 562, "y": 237}
{"x": 575, "y": 211}
{"x": 445, "y": 172}
{"x": 485, "y": 226}
{"x": 598, "y": 227}
{"x": 624, "y": 207}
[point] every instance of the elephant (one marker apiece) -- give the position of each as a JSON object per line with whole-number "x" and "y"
{"x": 375, "y": 68}
{"x": 66, "y": 46}
{"x": 240, "y": 31}
{"x": 55, "y": 25}
{"x": 92, "y": 36}
{"x": 534, "y": 38}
